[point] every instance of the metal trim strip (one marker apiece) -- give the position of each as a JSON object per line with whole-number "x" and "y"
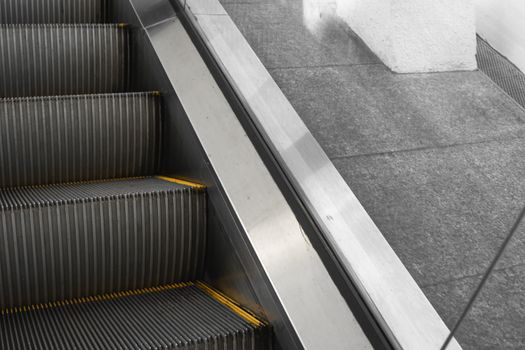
{"x": 310, "y": 300}
{"x": 404, "y": 312}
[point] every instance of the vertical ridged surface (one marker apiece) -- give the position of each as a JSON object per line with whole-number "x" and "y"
{"x": 53, "y": 11}
{"x": 68, "y": 241}
{"x": 501, "y": 71}
{"x": 40, "y": 60}
{"x": 64, "y": 245}
{"x": 74, "y": 138}
{"x": 179, "y": 318}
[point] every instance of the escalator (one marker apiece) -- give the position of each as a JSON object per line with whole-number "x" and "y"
{"x": 140, "y": 206}
{"x": 100, "y": 246}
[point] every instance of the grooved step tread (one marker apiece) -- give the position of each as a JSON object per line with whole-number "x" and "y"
{"x": 73, "y": 240}
{"x": 77, "y": 138}
{"x": 61, "y": 59}
{"x": 53, "y": 11}
{"x": 90, "y": 191}
{"x": 188, "y": 316}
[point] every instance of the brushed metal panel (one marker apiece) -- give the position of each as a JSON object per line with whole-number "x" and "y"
{"x": 309, "y": 298}
{"x": 407, "y": 317}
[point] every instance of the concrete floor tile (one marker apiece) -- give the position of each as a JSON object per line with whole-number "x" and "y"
{"x": 497, "y": 318}
{"x": 367, "y": 109}
{"x": 437, "y": 160}
{"x": 444, "y": 211}
{"x": 281, "y": 36}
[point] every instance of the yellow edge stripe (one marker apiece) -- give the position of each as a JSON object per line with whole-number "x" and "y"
{"x": 96, "y": 298}
{"x": 182, "y": 182}
{"x": 86, "y": 182}
{"x": 221, "y": 298}
{"x": 232, "y": 305}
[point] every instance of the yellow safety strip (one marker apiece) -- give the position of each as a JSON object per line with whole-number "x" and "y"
{"x": 85, "y": 182}
{"x": 103, "y": 297}
{"x": 182, "y": 182}
{"x": 215, "y": 294}
{"x": 229, "y": 303}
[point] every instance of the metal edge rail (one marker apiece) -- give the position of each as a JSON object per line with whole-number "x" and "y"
{"x": 310, "y": 300}
{"x": 391, "y": 294}
{"x": 336, "y": 270}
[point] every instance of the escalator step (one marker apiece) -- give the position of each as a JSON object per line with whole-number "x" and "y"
{"x": 59, "y": 59}
{"x": 184, "y": 316}
{"x": 53, "y": 11}
{"x": 47, "y": 140}
{"x": 73, "y": 240}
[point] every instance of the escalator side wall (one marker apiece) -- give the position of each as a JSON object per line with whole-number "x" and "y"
{"x": 231, "y": 265}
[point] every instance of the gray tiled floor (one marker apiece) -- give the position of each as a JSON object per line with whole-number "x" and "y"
{"x": 366, "y": 109}
{"x": 436, "y": 159}
{"x": 443, "y": 210}
{"x": 501, "y": 303}
{"x": 277, "y": 31}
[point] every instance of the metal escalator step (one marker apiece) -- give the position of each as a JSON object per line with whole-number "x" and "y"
{"x": 53, "y": 11}
{"x": 76, "y": 138}
{"x": 60, "y": 59}
{"x": 171, "y": 317}
{"x": 73, "y": 240}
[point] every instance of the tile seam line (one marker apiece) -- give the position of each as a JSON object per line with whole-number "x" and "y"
{"x": 320, "y": 66}
{"x": 461, "y": 278}
{"x": 437, "y": 147}
{"x": 209, "y": 14}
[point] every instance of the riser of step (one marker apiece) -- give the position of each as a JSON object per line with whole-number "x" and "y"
{"x": 77, "y": 138}
{"x": 43, "y": 60}
{"x": 53, "y": 11}
{"x": 70, "y": 241}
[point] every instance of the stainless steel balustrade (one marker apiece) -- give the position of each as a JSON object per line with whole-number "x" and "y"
{"x": 391, "y": 294}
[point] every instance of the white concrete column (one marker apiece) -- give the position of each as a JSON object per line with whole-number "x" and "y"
{"x": 412, "y": 36}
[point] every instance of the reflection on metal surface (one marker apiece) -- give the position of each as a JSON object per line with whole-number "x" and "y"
{"x": 205, "y": 7}
{"x": 405, "y": 314}
{"x": 231, "y": 265}
{"x": 303, "y": 287}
